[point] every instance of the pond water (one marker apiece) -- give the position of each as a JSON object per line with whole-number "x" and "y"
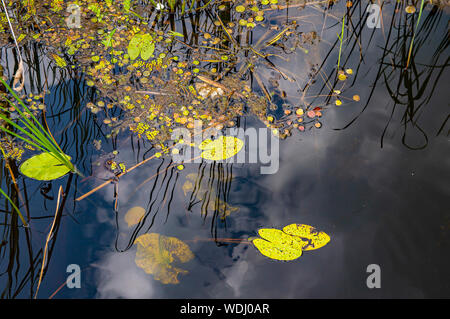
{"x": 373, "y": 174}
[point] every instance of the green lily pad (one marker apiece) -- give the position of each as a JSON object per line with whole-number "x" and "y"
{"x": 135, "y": 46}
{"x": 148, "y": 47}
{"x": 141, "y": 44}
{"x": 44, "y": 167}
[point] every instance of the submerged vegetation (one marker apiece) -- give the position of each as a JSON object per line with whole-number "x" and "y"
{"x": 114, "y": 75}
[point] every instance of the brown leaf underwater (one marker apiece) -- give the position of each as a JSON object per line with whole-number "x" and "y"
{"x": 156, "y": 253}
{"x": 134, "y": 215}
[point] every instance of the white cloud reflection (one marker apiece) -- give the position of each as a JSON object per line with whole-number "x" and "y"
{"x": 119, "y": 277}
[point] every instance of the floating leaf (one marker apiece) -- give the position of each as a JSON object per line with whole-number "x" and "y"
{"x": 317, "y": 239}
{"x": 127, "y": 5}
{"x": 59, "y": 61}
{"x": 141, "y": 44}
{"x": 278, "y": 245}
{"x": 342, "y": 77}
{"x": 410, "y": 9}
{"x": 134, "y": 215}
{"x": 21, "y": 37}
{"x": 311, "y": 114}
{"x": 240, "y": 8}
{"x": 221, "y": 148}
{"x": 135, "y": 46}
{"x": 148, "y": 47}
{"x": 177, "y": 34}
{"x": 44, "y": 167}
{"x": 155, "y": 254}
{"x": 289, "y": 243}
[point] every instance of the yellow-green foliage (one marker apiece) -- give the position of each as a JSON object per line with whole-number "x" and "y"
{"x": 289, "y": 243}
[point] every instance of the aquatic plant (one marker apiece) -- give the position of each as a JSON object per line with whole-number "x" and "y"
{"x": 414, "y": 34}
{"x": 156, "y": 253}
{"x": 289, "y": 243}
{"x": 16, "y": 209}
{"x": 341, "y": 40}
{"x": 33, "y": 133}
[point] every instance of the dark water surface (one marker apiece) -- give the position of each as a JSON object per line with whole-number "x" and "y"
{"x": 380, "y": 200}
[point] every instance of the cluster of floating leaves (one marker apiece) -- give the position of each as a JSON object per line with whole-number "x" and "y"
{"x": 11, "y": 149}
{"x": 159, "y": 81}
{"x": 289, "y": 243}
{"x": 302, "y": 118}
{"x": 159, "y": 89}
{"x": 34, "y": 102}
{"x": 14, "y": 148}
{"x": 156, "y": 253}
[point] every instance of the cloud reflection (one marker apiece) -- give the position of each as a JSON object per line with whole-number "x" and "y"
{"x": 120, "y": 278}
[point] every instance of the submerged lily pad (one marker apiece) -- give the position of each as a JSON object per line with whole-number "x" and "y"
{"x": 134, "y": 215}
{"x": 203, "y": 191}
{"x": 156, "y": 253}
{"x": 44, "y": 167}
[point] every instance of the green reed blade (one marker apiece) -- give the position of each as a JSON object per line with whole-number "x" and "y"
{"x": 15, "y": 207}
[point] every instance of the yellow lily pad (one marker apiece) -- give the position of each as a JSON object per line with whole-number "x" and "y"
{"x": 134, "y": 215}
{"x": 156, "y": 253}
{"x": 316, "y": 239}
{"x": 59, "y": 61}
{"x": 221, "y": 148}
{"x": 278, "y": 245}
{"x": 289, "y": 243}
{"x": 410, "y": 9}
